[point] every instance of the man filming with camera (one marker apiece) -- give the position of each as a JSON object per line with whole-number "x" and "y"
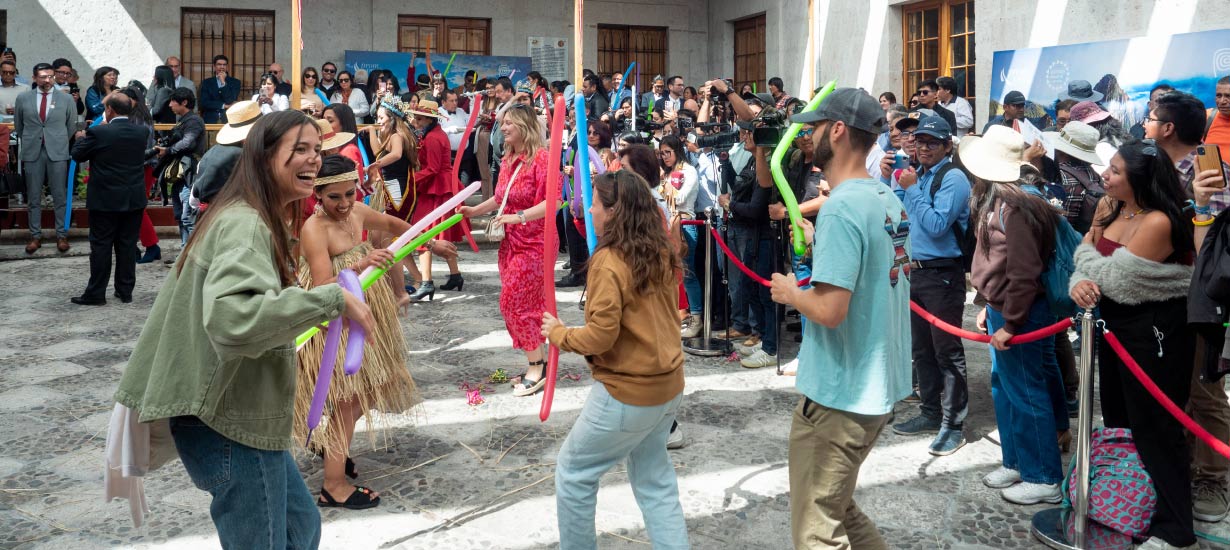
{"x": 177, "y": 156}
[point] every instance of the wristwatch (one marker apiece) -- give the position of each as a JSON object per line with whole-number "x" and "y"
{"x": 521, "y": 214}
{"x": 730, "y": 91}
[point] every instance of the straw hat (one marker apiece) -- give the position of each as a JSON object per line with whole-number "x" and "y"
{"x": 239, "y": 119}
{"x": 330, "y": 139}
{"x": 995, "y": 156}
{"x": 1078, "y": 140}
{"x": 427, "y": 108}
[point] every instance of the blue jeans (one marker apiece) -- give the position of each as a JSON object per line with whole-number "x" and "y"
{"x": 607, "y": 432}
{"x": 691, "y": 284}
{"x": 759, "y": 257}
{"x": 184, "y": 214}
{"x": 1055, "y": 385}
{"x": 1023, "y": 396}
{"x": 259, "y": 498}
{"x": 743, "y": 317}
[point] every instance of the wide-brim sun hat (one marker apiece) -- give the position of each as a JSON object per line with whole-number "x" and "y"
{"x": 427, "y": 108}
{"x": 239, "y": 119}
{"x": 1078, "y": 140}
{"x": 330, "y": 139}
{"x": 995, "y": 156}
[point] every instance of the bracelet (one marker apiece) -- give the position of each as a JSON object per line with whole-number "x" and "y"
{"x": 1204, "y": 223}
{"x": 1206, "y": 210}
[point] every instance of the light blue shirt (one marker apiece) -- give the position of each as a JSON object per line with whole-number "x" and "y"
{"x": 863, "y": 365}
{"x": 708, "y": 176}
{"x": 932, "y": 236}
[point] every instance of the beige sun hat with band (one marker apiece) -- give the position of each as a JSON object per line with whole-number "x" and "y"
{"x": 1078, "y": 140}
{"x": 995, "y": 156}
{"x": 239, "y": 119}
{"x": 330, "y": 139}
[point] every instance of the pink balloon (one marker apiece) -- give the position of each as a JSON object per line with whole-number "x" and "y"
{"x": 354, "y": 343}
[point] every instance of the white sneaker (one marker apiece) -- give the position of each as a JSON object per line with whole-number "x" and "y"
{"x": 790, "y": 368}
{"x": 758, "y": 359}
{"x": 692, "y": 327}
{"x": 675, "y": 440}
{"x": 1002, "y": 478}
{"x": 749, "y": 346}
{"x": 1155, "y": 543}
{"x": 1033, "y": 493}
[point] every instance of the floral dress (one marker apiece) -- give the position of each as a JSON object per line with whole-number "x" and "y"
{"x": 520, "y": 257}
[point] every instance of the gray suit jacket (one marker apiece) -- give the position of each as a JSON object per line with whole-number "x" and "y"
{"x": 185, "y": 82}
{"x": 54, "y": 134}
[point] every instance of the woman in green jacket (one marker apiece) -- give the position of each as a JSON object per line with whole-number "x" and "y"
{"x": 216, "y": 356}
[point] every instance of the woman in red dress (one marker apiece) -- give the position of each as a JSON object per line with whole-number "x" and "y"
{"x": 523, "y": 177}
{"x": 433, "y": 187}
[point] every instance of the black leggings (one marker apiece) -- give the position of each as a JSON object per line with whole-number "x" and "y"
{"x": 1159, "y": 438}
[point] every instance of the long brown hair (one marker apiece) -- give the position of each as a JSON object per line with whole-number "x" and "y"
{"x": 409, "y": 147}
{"x": 634, "y": 230}
{"x": 250, "y": 183}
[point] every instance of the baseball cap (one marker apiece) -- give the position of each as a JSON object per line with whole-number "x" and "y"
{"x": 911, "y": 118}
{"x": 851, "y": 106}
{"x": 1014, "y": 98}
{"x": 935, "y": 127}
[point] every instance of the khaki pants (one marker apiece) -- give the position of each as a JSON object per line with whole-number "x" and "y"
{"x": 827, "y": 448}
{"x": 1209, "y": 407}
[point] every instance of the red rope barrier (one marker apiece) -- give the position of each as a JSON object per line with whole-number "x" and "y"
{"x": 1045, "y": 332}
{"x": 1219, "y": 446}
{"x": 735, "y": 260}
{"x": 691, "y": 222}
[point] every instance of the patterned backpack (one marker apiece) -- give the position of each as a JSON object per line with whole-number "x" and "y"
{"x": 1121, "y": 493}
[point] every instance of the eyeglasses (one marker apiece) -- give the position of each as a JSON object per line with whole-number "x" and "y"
{"x": 807, "y": 132}
{"x": 928, "y": 145}
{"x": 924, "y": 92}
{"x": 64, "y": 73}
{"x": 347, "y": 80}
{"x": 1157, "y": 120}
{"x": 330, "y": 71}
{"x": 309, "y": 76}
{"x": 175, "y": 66}
{"x": 8, "y": 72}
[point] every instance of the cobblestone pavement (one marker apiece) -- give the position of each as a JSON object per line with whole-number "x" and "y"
{"x": 453, "y": 475}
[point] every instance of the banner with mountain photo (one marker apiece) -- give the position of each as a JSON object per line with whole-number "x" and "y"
{"x": 1122, "y": 71}
{"x": 362, "y": 63}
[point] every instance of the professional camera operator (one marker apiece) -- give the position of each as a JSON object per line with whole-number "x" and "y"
{"x": 178, "y": 155}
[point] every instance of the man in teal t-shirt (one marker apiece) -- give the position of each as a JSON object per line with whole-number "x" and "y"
{"x": 855, "y": 358}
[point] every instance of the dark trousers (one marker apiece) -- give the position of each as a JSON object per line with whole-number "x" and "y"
{"x": 110, "y": 231}
{"x": 700, "y": 262}
{"x": 578, "y": 250}
{"x": 1126, "y": 404}
{"x": 939, "y": 358}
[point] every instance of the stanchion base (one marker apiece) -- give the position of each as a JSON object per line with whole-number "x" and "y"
{"x": 713, "y": 347}
{"x": 1054, "y": 527}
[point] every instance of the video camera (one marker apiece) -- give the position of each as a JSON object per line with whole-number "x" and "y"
{"x": 769, "y": 126}
{"x": 719, "y": 136}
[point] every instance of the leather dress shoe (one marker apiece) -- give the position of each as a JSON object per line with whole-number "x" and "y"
{"x": 570, "y": 281}
{"x": 33, "y": 245}
{"x": 62, "y": 244}
{"x": 124, "y": 299}
{"x": 83, "y": 301}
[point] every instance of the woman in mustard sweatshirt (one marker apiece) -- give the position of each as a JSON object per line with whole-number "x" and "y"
{"x": 631, "y": 342}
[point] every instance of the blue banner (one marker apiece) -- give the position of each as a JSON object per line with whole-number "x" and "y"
{"x": 362, "y": 63}
{"x": 1124, "y": 71}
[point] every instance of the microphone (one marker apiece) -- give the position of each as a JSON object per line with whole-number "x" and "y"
{"x": 476, "y": 93}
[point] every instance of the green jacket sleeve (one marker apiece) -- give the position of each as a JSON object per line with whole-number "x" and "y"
{"x": 246, "y": 310}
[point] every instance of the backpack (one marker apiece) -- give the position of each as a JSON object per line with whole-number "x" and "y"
{"x": 1121, "y": 493}
{"x": 1061, "y": 264}
{"x": 1083, "y": 198}
{"x": 967, "y": 240}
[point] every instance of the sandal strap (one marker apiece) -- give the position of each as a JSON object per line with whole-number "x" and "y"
{"x": 363, "y": 494}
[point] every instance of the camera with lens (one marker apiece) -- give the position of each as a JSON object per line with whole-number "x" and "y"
{"x": 722, "y": 137}
{"x": 160, "y": 141}
{"x": 769, "y": 126}
{"x": 721, "y": 96}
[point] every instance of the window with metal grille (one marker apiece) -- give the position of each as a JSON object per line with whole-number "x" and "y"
{"x": 245, "y": 37}
{"x": 4, "y": 27}
{"x": 939, "y": 41}
{"x": 460, "y": 35}
{"x": 620, "y": 45}
{"x": 749, "y": 53}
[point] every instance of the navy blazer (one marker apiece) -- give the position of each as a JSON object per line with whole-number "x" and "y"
{"x": 214, "y": 98}
{"x": 116, "y": 152}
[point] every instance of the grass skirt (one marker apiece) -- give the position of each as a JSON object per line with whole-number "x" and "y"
{"x": 383, "y": 383}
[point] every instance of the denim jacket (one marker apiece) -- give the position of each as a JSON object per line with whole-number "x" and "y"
{"x": 219, "y": 341}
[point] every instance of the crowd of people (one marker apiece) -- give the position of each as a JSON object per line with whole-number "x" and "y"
{"x": 898, "y": 204}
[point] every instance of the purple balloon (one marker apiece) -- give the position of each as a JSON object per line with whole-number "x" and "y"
{"x": 354, "y": 343}
{"x": 332, "y": 338}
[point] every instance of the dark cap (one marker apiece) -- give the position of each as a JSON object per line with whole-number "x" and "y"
{"x": 765, "y": 100}
{"x": 911, "y": 118}
{"x": 935, "y": 127}
{"x": 851, "y": 106}
{"x": 1014, "y": 98}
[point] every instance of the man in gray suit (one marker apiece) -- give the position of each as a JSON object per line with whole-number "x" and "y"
{"x": 181, "y": 81}
{"x": 45, "y": 119}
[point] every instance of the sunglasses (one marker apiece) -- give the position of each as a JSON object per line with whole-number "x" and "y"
{"x": 8, "y": 72}
{"x": 929, "y": 145}
{"x": 343, "y": 80}
{"x": 807, "y": 132}
{"x": 330, "y": 71}
{"x": 924, "y": 92}
{"x": 309, "y": 76}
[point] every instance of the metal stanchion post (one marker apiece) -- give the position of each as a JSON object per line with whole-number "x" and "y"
{"x": 1069, "y": 528}
{"x": 705, "y": 345}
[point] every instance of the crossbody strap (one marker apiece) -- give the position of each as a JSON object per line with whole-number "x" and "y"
{"x": 508, "y": 189}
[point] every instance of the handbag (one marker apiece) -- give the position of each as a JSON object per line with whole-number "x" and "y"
{"x": 495, "y": 228}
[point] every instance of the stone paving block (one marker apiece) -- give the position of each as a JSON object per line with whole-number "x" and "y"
{"x": 69, "y": 348}
{"x": 29, "y": 397}
{"x": 37, "y": 374}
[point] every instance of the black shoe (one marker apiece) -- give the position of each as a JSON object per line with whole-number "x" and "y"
{"x": 426, "y": 290}
{"x": 83, "y": 301}
{"x": 455, "y": 282}
{"x": 570, "y": 281}
{"x": 567, "y": 265}
{"x": 123, "y": 299}
{"x": 152, "y": 253}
